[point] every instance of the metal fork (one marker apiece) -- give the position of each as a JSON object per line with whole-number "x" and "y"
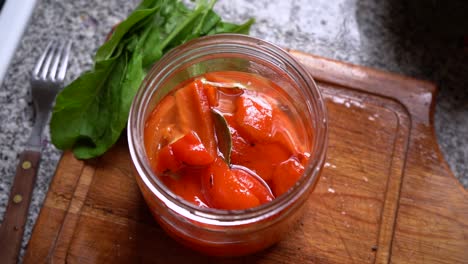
{"x": 46, "y": 81}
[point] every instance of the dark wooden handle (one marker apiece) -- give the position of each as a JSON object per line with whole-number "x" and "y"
{"x": 11, "y": 231}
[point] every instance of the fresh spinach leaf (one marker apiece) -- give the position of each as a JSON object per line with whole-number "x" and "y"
{"x": 145, "y": 9}
{"x": 91, "y": 112}
{"x": 224, "y": 27}
{"x": 79, "y": 119}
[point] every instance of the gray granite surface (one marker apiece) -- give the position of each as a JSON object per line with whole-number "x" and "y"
{"x": 393, "y": 35}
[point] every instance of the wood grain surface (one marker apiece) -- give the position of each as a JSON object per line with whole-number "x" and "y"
{"x": 12, "y": 227}
{"x": 386, "y": 194}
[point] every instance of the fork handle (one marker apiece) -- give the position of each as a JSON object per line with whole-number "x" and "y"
{"x": 12, "y": 228}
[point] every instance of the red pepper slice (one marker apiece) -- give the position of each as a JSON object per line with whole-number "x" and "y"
{"x": 223, "y": 190}
{"x": 166, "y": 161}
{"x": 187, "y": 185}
{"x": 254, "y": 116}
{"x": 286, "y": 175}
{"x": 194, "y": 114}
{"x": 190, "y": 150}
{"x": 253, "y": 185}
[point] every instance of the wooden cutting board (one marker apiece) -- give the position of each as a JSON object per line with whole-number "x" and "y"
{"x": 386, "y": 194}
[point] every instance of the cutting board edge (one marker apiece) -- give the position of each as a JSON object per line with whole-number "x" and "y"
{"x": 403, "y": 96}
{"x": 355, "y": 73}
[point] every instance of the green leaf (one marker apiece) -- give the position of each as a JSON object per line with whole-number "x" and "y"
{"x": 224, "y": 27}
{"x": 81, "y": 114}
{"x": 223, "y": 135}
{"x": 92, "y": 111}
{"x": 108, "y": 48}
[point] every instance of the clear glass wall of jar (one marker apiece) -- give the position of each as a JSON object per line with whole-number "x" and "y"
{"x": 214, "y": 231}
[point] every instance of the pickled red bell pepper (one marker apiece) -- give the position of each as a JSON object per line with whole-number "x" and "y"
{"x": 183, "y": 145}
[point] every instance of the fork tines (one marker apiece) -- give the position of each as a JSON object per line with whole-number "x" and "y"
{"x": 52, "y": 64}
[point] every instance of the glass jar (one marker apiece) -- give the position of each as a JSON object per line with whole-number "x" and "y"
{"x": 225, "y": 232}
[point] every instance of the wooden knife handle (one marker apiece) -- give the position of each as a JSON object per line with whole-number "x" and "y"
{"x": 12, "y": 228}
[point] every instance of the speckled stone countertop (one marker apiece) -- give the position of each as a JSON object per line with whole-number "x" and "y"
{"x": 391, "y": 35}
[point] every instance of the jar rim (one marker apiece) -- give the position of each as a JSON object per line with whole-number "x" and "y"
{"x": 200, "y": 47}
